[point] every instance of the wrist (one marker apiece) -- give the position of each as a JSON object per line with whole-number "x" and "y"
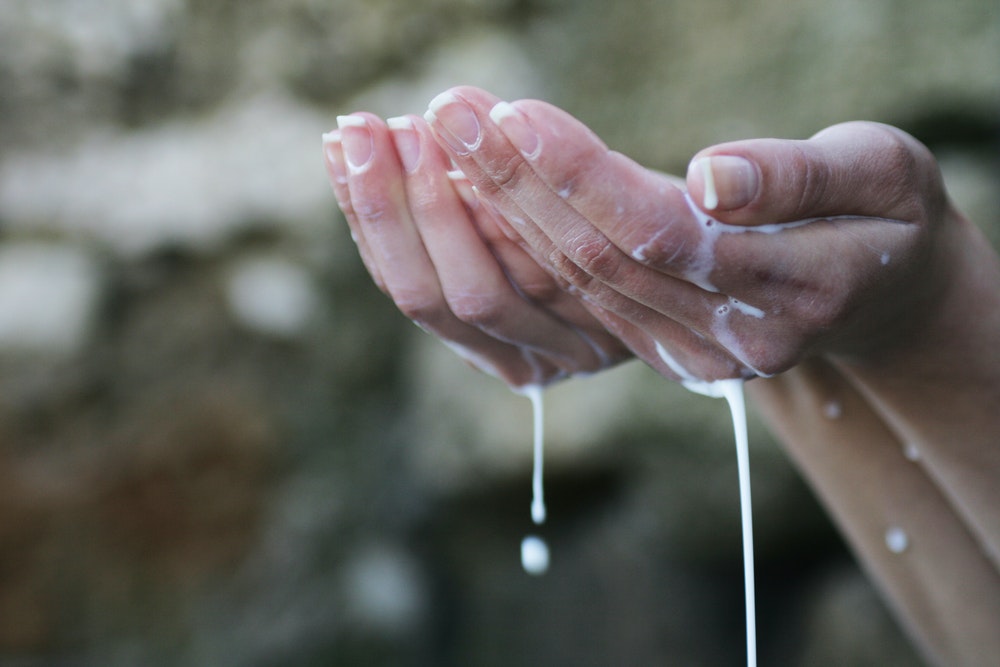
{"x": 949, "y": 329}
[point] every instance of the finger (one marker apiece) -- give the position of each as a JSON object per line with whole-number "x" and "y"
{"x": 474, "y": 285}
{"x": 572, "y": 189}
{"x": 615, "y": 330}
{"x": 336, "y": 168}
{"x": 579, "y": 200}
{"x": 538, "y": 286}
{"x": 377, "y": 201}
{"x": 868, "y": 191}
{"x": 858, "y": 169}
{"x": 559, "y": 173}
{"x": 379, "y": 207}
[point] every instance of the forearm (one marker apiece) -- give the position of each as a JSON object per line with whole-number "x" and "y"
{"x": 934, "y": 572}
{"x": 942, "y": 396}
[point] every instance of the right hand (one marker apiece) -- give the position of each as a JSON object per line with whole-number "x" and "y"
{"x": 448, "y": 260}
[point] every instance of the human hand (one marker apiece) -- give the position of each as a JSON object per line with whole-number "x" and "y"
{"x": 444, "y": 259}
{"x": 833, "y": 245}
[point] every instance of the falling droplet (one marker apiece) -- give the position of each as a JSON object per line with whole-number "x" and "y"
{"x": 534, "y": 393}
{"x": 534, "y": 555}
{"x": 534, "y": 550}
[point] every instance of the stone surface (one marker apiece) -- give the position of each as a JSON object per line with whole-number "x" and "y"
{"x": 219, "y": 443}
{"x": 48, "y": 297}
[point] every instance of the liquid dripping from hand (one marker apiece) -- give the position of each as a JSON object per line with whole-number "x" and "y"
{"x": 534, "y": 550}
{"x": 732, "y": 391}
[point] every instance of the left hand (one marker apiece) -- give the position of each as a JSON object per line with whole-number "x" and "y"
{"x": 696, "y": 298}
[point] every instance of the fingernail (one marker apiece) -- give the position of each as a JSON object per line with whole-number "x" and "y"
{"x": 407, "y": 142}
{"x": 516, "y": 128}
{"x": 461, "y": 127}
{"x": 729, "y": 182}
{"x": 334, "y": 155}
{"x": 356, "y": 138}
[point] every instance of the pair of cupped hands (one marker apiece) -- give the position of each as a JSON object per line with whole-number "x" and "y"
{"x": 512, "y": 232}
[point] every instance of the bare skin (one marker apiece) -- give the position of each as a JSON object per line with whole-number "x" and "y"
{"x": 551, "y": 255}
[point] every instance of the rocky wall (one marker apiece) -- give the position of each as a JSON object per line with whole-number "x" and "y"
{"x": 220, "y": 445}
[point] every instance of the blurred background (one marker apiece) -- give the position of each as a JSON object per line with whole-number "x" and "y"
{"x": 220, "y": 445}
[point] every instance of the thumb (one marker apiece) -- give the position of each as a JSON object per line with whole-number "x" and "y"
{"x": 858, "y": 168}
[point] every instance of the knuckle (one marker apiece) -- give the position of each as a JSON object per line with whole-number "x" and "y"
{"x": 569, "y": 270}
{"x": 773, "y": 360}
{"x": 479, "y": 310}
{"x": 814, "y": 181}
{"x": 418, "y": 306}
{"x": 542, "y": 292}
{"x": 914, "y": 180}
{"x": 895, "y": 154}
{"x": 597, "y": 256}
{"x": 769, "y": 355}
{"x": 424, "y": 200}
{"x": 769, "y": 347}
{"x": 818, "y": 311}
{"x": 717, "y": 365}
{"x": 507, "y": 172}
{"x": 371, "y": 211}
{"x": 901, "y": 169}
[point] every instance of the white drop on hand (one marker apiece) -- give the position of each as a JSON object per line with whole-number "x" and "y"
{"x": 896, "y": 540}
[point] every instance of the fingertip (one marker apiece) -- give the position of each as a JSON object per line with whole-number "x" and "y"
{"x": 334, "y": 157}
{"x": 399, "y": 123}
{"x": 356, "y": 141}
{"x": 723, "y": 182}
{"x": 437, "y": 103}
{"x": 407, "y": 142}
{"x": 331, "y": 137}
